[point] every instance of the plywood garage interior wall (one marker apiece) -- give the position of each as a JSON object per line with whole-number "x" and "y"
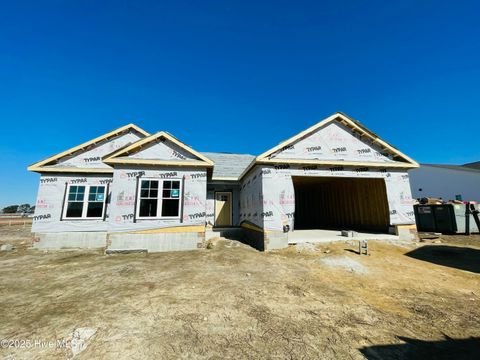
{"x": 346, "y": 203}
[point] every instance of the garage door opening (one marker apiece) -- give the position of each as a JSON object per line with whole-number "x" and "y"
{"x": 341, "y": 204}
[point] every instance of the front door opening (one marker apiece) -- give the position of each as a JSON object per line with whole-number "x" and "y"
{"x": 223, "y": 208}
{"x": 340, "y": 203}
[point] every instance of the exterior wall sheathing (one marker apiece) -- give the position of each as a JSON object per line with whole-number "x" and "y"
{"x": 124, "y": 193}
{"x": 50, "y": 204}
{"x": 53, "y": 231}
{"x": 271, "y": 207}
{"x": 279, "y": 196}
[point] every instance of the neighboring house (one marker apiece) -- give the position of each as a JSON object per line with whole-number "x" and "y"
{"x": 128, "y": 190}
{"x": 449, "y": 182}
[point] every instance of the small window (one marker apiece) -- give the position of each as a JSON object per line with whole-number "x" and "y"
{"x": 76, "y": 195}
{"x": 159, "y": 199}
{"x": 96, "y": 197}
{"x": 85, "y": 202}
{"x": 148, "y": 198}
{"x": 171, "y": 198}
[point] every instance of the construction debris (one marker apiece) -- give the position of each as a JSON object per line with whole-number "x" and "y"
{"x": 363, "y": 247}
{"x": 6, "y": 247}
{"x": 300, "y": 247}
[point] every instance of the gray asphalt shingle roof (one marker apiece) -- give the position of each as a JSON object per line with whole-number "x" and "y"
{"x": 229, "y": 165}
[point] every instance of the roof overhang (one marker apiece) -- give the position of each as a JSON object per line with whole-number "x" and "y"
{"x": 225, "y": 178}
{"x": 155, "y": 162}
{"x": 74, "y": 170}
{"x": 41, "y": 166}
{"x": 337, "y": 163}
{"x": 349, "y": 123}
{"x": 266, "y": 159}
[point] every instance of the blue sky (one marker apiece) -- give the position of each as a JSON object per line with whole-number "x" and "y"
{"x": 237, "y": 76}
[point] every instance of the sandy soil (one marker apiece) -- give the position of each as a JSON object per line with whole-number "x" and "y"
{"x": 328, "y": 302}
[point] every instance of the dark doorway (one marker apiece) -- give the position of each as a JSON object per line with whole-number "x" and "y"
{"x": 341, "y": 203}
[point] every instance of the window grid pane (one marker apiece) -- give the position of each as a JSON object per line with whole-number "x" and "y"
{"x": 148, "y": 198}
{"x": 171, "y": 190}
{"x": 171, "y": 198}
{"x": 170, "y": 207}
{"x": 95, "y": 201}
{"x": 149, "y": 189}
{"x": 75, "y": 202}
{"x": 95, "y": 209}
{"x": 74, "y": 209}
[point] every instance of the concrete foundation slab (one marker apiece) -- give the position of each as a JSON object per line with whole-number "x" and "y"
{"x": 70, "y": 240}
{"x": 158, "y": 242}
{"x": 276, "y": 240}
{"x": 319, "y": 236}
{"x": 265, "y": 241}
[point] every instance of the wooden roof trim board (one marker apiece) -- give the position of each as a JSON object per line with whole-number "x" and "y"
{"x": 38, "y": 166}
{"x": 327, "y": 163}
{"x": 396, "y": 164}
{"x": 75, "y": 170}
{"x": 344, "y": 119}
{"x": 225, "y": 178}
{"x": 156, "y": 162}
{"x": 249, "y": 167}
{"x": 143, "y": 142}
{"x": 379, "y": 141}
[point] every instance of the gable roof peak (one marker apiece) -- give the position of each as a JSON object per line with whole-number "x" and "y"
{"x": 350, "y": 123}
{"x": 40, "y": 165}
{"x": 114, "y": 158}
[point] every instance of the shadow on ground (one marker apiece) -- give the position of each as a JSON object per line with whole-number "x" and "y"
{"x": 458, "y": 349}
{"x": 463, "y": 258}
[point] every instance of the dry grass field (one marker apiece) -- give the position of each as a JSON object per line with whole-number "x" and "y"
{"x": 233, "y": 302}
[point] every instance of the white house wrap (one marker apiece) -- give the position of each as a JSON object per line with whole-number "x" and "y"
{"x": 124, "y": 192}
{"x": 129, "y": 190}
{"x": 333, "y": 141}
{"x": 50, "y": 204}
{"x": 92, "y": 157}
{"x": 277, "y": 207}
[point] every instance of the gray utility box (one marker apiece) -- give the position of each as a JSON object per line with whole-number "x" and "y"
{"x": 445, "y": 218}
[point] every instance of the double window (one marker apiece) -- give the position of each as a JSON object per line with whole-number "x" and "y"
{"x": 158, "y": 199}
{"x": 84, "y": 202}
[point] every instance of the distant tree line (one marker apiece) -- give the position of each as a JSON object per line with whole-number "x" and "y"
{"x": 16, "y": 209}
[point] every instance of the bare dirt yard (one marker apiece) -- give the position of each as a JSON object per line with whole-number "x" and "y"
{"x": 233, "y": 302}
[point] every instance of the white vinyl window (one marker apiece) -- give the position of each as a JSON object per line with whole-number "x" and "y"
{"x": 84, "y": 202}
{"x": 158, "y": 198}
